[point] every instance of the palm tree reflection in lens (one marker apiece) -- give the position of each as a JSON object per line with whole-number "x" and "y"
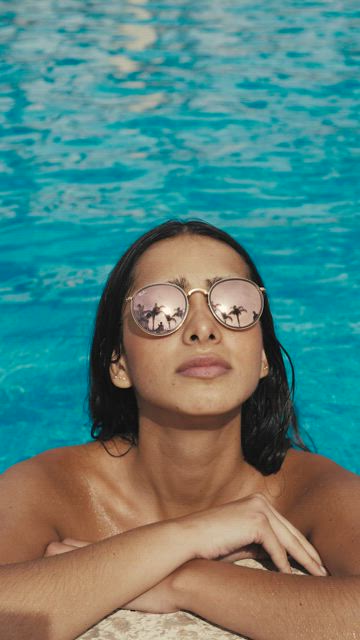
{"x": 165, "y": 315}
{"x": 233, "y": 291}
{"x": 237, "y": 311}
{"x": 155, "y": 311}
{"x": 159, "y": 311}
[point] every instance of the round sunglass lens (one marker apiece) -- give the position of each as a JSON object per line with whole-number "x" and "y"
{"x": 159, "y": 308}
{"x": 238, "y": 304}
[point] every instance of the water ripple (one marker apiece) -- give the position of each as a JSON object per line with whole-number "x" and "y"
{"x": 114, "y": 116}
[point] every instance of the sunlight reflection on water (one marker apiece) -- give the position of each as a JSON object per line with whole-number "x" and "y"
{"x": 119, "y": 115}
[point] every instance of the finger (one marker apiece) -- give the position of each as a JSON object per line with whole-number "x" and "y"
{"x": 267, "y": 538}
{"x": 249, "y": 551}
{"x": 272, "y": 513}
{"x": 56, "y": 548}
{"x": 297, "y": 551}
{"x": 237, "y": 555}
{"x": 75, "y": 543}
{"x": 307, "y": 545}
{"x": 295, "y": 545}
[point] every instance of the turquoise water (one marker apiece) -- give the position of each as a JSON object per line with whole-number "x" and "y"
{"x": 118, "y": 115}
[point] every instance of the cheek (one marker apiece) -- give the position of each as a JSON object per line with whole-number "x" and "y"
{"x": 145, "y": 362}
{"x": 150, "y": 364}
{"x": 248, "y": 347}
{"x": 248, "y": 354}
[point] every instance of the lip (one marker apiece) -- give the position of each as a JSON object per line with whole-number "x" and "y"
{"x": 204, "y": 367}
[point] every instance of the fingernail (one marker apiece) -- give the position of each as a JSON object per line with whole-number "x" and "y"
{"x": 323, "y": 570}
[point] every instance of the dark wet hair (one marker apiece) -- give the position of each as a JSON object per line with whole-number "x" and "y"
{"x": 267, "y": 416}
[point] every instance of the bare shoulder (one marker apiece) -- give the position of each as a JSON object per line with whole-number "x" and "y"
{"x": 34, "y": 498}
{"x": 47, "y": 472}
{"x": 311, "y": 478}
{"x": 311, "y": 471}
{"x": 327, "y": 499}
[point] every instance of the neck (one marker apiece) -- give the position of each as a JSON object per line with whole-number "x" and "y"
{"x": 192, "y": 465}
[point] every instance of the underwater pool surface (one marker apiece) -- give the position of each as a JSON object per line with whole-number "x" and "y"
{"x": 116, "y": 116}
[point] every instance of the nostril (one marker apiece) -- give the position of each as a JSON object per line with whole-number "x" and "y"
{"x": 194, "y": 337}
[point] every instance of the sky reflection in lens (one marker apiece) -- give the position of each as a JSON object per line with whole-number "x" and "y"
{"x": 160, "y": 308}
{"x": 237, "y": 303}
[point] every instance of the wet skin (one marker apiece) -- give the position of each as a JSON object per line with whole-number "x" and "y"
{"x": 189, "y": 454}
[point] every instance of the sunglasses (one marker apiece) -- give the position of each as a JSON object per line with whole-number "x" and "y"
{"x": 160, "y": 309}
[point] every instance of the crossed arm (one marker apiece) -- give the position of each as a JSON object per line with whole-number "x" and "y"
{"x": 261, "y": 605}
{"x": 264, "y": 605}
{"x": 157, "y": 568}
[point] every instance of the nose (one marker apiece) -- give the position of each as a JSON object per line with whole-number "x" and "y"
{"x": 200, "y": 325}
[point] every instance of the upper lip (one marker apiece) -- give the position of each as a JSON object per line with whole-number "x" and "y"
{"x": 203, "y": 361}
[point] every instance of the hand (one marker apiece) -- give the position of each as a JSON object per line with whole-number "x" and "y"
{"x": 68, "y": 544}
{"x": 230, "y": 531}
{"x": 225, "y": 532}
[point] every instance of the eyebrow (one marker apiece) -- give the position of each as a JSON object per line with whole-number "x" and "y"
{"x": 184, "y": 283}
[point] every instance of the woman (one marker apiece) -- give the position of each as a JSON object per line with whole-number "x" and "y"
{"x": 191, "y": 465}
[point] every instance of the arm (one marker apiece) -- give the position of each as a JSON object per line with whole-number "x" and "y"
{"x": 93, "y": 580}
{"x": 271, "y": 606}
{"x": 263, "y": 605}
{"x": 57, "y": 598}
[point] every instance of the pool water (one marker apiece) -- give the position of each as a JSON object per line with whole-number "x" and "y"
{"x": 115, "y": 116}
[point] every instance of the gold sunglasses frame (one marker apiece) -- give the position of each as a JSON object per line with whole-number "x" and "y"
{"x": 187, "y": 295}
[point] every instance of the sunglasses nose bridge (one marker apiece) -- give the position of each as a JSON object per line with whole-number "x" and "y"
{"x": 204, "y": 292}
{"x": 198, "y": 290}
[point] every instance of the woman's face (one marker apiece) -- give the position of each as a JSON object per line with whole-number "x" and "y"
{"x": 157, "y": 367}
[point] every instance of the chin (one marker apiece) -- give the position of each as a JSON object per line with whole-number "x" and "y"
{"x": 210, "y": 411}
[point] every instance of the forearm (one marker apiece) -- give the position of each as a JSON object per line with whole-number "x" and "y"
{"x": 58, "y": 598}
{"x": 264, "y": 605}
